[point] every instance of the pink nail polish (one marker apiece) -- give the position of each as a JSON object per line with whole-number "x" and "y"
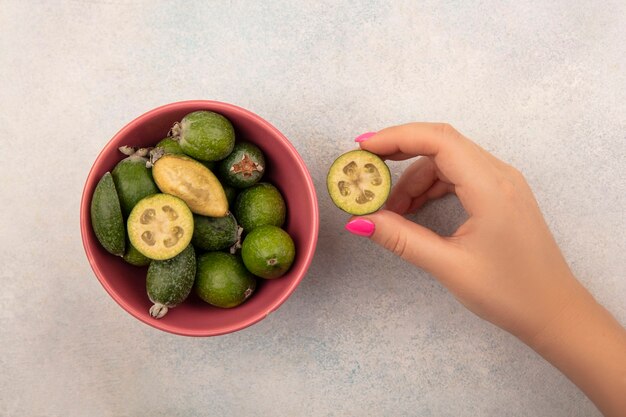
{"x": 361, "y": 227}
{"x": 364, "y": 137}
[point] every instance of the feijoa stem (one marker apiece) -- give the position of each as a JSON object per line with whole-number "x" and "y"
{"x": 158, "y": 310}
{"x": 175, "y": 131}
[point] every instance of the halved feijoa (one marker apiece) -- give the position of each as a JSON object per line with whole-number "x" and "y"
{"x": 359, "y": 182}
{"x": 160, "y": 226}
{"x": 205, "y": 135}
{"x": 106, "y": 216}
{"x": 243, "y": 167}
{"x": 169, "y": 282}
{"x": 133, "y": 180}
{"x": 191, "y": 181}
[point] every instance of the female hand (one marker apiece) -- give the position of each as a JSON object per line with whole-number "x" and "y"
{"x": 503, "y": 263}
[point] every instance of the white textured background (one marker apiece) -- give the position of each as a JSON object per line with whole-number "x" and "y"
{"x": 540, "y": 84}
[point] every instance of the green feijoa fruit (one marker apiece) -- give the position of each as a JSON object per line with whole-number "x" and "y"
{"x": 259, "y": 205}
{"x": 359, "y": 182}
{"x": 231, "y": 194}
{"x": 205, "y": 135}
{"x": 214, "y": 233}
{"x": 169, "y": 145}
{"x": 134, "y": 257}
{"x": 160, "y": 226}
{"x": 169, "y": 282}
{"x": 268, "y": 252}
{"x": 243, "y": 167}
{"x": 106, "y": 216}
{"x": 222, "y": 280}
{"x": 133, "y": 180}
{"x": 191, "y": 181}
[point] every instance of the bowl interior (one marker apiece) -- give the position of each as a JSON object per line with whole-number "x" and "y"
{"x": 285, "y": 169}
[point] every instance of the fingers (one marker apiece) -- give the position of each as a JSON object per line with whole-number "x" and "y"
{"x": 412, "y": 242}
{"x": 437, "y": 190}
{"x": 415, "y": 180}
{"x": 459, "y": 160}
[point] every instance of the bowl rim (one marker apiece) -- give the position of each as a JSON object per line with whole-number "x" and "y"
{"x": 309, "y": 251}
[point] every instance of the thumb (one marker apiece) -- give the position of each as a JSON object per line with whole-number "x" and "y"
{"x": 412, "y": 242}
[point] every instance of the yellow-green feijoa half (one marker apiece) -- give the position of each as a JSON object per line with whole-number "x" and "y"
{"x": 133, "y": 179}
{"x": 160, "y": 226}
{"x": 268, "y": 252}
{"x": 106, "y": 216}
{"x": 359, "y": 182}
{"x": 169, "y": 282}
{"x": 205, "y": 135}
{"x": 192, "y": 182}
{"x": 222, "y": 280}
{"x": 259, "y": 205}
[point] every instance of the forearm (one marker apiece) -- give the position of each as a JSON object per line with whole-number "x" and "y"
{"x": 588, "y": 345}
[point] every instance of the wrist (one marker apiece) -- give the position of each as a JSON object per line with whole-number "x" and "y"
{"x": 585, "y": 342}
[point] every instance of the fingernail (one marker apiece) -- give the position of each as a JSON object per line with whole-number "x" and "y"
{"x": 361, "y": 227}
{"x": 364, "y": 137}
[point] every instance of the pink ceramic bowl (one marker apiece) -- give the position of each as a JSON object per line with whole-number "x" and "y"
{"x": 285, "y": 169}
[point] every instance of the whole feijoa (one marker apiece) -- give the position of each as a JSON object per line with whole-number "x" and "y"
{"x": 259, "y": 205}
{"x": 268, "y": 252}
{"x": 222, "y": 280}
{"x": 169, "y": 145}
{"x": 243, "y": 167}
{"x": 169, "y": 282}
{"x": 205, "y": 135}
{"x": 106, "y": 216}
{"x": 133, "y": 179}
{"x": 214, "y": 233}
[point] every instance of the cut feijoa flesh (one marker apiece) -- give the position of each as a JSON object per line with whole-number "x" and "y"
{"x": 160, "y": 226}
{"x": 106, "y": 216}
{"x": 359, "y": 182}
{"x": 169, "y": 282}
{"x": 192, "y": 182}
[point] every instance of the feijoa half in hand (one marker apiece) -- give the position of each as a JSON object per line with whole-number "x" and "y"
{"x": 160, "y": 226}
{"x": 192, "y": 182}
{"x": 106, "y": 216}
{"x": 359, "y": 182}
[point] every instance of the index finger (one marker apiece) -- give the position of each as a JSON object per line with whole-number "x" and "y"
{"x": 457, "y": 157}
